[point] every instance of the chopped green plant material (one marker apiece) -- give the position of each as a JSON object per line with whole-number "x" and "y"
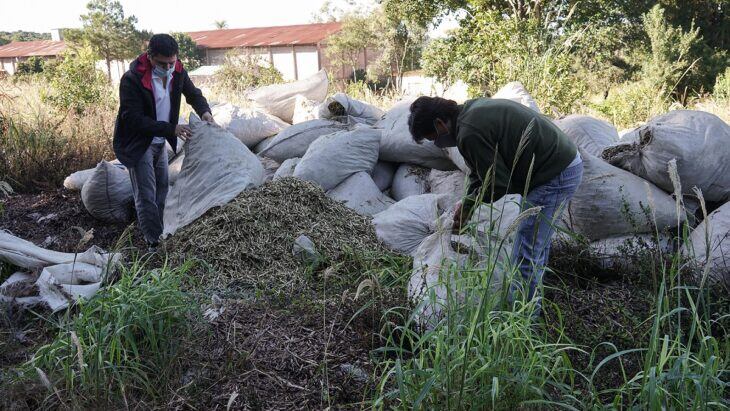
{"x": 248, "y": 242}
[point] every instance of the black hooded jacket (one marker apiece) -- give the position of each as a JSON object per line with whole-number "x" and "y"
{"x": 136, "y": 123}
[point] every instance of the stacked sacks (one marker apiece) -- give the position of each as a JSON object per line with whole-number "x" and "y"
{"x": 334, "y": 157}
{"x": 442, "y": 257}
{"x": 700, "y": 143}
{"x": 270, "y": 168}
{"x": 360, "y": 193}
{"x": 304, "y": 110}
{"x": 409, "y": 180}
{"x": 343, "y": 106}
{"x": 405, "y": 225}
{"x": 449, "y": 184}
{"x": 590, "y": 134}
{"x": 295, "y": 140}
{"x": 341, "y": 163}
{"x": 383, "y": 174}
{"x": 286, "y": 169}
{"x": 280, "y": 99}
{"x": 216, "y": 169}
{"x": 516, "y": 92}
{"x": 397, "y": 144}
{"x": 249, "y": 126}
{"x": 613, "y": 202}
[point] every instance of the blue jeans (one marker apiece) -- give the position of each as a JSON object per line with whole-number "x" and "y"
{"x": 149, "y": 186}
{"x": 532, "y": 243}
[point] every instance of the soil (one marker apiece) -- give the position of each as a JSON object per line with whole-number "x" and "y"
{"x": 57, "y": 220}
{"x": 259, "y": 357}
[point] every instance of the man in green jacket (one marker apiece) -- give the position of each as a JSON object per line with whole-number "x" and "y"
{"x": 510, "y": 149}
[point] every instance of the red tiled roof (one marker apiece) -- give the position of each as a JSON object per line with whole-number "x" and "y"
{"x": 32, "y": 48}
{"x": 265, "y": 36}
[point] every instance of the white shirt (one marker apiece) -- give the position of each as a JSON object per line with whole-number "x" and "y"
{"x": 162, "y": 102}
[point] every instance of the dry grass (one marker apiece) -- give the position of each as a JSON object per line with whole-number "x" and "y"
{"x": 40, "y": 146}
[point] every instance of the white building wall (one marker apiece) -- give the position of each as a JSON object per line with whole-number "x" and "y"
{"x": 283, "y": 58}
{"x": 307, "y": 61}
{"x": 7, "y": 65}
{"x": 118, "y": 68}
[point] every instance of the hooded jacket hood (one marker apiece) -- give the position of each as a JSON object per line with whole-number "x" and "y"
{"x": 143, "y": 66}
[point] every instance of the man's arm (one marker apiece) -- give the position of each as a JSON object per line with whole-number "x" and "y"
{"x": 131, "y": 110}
{"x": 194, "y": 96}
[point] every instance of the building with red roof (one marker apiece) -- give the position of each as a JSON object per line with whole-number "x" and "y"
{"x": 297, "y": 51}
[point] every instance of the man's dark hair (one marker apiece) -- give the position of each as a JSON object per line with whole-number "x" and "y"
{"x": 425, "y": 110}
{"x": 162, "y": 45}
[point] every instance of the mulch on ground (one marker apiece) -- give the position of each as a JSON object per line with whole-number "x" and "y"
{"x": 258, "y": 357}
{"x": 57, "y": 220}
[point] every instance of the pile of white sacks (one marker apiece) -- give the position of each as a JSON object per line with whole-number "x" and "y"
{"x": 366, "y": 158}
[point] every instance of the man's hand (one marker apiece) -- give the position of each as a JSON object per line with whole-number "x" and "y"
{"x": 208, "y": 117}
{"x": 182, "y": 130}
{"x": 456, "y": 227}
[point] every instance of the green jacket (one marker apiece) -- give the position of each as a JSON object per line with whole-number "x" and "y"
{"x": 488, "y": 135}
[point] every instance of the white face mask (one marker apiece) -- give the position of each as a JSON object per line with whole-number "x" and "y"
{"x": 160, "y": 72}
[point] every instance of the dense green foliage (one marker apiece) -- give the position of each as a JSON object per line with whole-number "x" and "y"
{"x": 20, "y": 35}
{"x": 76, "y": 84}
{"x": 396, "y": 41}
{"x": 575, "y": 54}
{"x": 33, "y": 65}
{"x": 189, "y": 54}
{"x": 242, "y": 71}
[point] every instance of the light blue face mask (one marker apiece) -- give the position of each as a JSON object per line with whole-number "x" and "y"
{"x": 160, "y": 72}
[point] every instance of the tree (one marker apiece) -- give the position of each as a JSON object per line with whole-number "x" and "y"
{"x": 75, "y": 83}
{"x": 188, "y": 52}
{"x": 20, "y": 35}
{"x": 345, "y": 46}
{"x": 491, "y": 49}
{"x": 33, "y": 65}
{"x": 220, "y": 24}
{"x": 400, "y": 43}
{"x": 242, "y": 71}
{"x": 108, "y": 33}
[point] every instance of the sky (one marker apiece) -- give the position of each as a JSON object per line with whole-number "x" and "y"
{"x": 162, "y": 15}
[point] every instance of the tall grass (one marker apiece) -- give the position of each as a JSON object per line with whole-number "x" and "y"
{"x": 124, "y": 341}
{"x": 484, "y": 353}
{"x": 40, "y": 146}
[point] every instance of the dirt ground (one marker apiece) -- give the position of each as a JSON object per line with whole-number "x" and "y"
{"x": 57, "y": 220}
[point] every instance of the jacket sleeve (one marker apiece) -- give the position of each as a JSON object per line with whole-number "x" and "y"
{"x": 480, "y": 155}
{"x": 194, "y": 96}
{"x": 131, "y": 110}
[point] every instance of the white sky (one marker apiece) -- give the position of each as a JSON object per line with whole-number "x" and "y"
{"x": 168, "y": 15}
{"x": 160, "y": 15}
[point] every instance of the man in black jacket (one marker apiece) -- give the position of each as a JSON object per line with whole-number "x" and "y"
{"x": 149, "y": 107}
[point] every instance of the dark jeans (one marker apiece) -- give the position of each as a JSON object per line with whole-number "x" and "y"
{"x": 149, "y": 185}
{"x": 532, "y": 243}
